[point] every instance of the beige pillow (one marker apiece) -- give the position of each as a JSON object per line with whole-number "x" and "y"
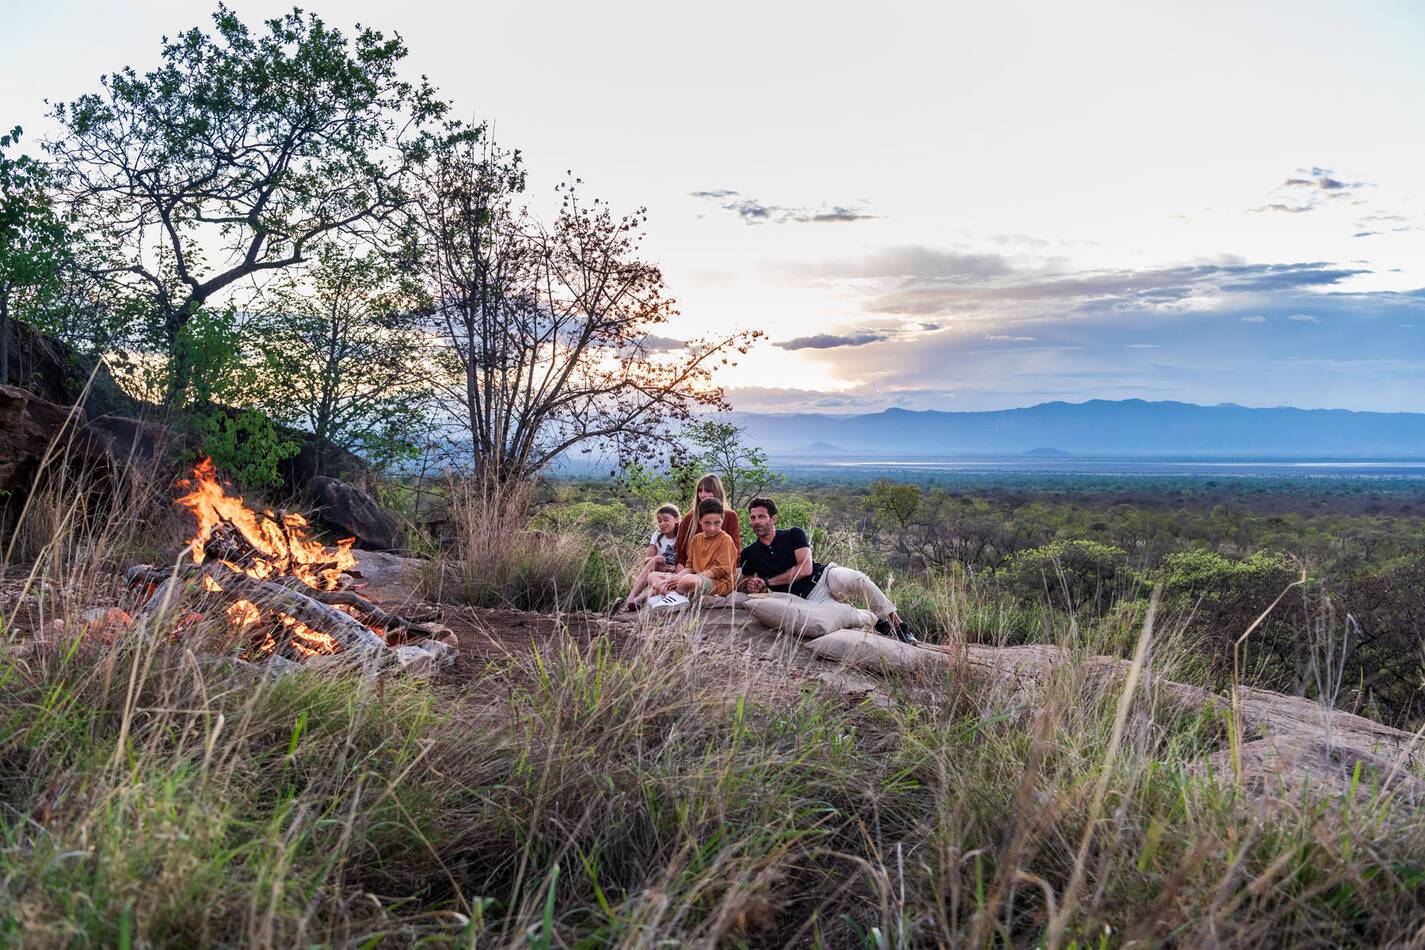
{"x": 792, "y": 614}
{"x": 868, "y": 651}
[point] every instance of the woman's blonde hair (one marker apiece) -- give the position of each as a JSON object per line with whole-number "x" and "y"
{"x": 710, "y": 483}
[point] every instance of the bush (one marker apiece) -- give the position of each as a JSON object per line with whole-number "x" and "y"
{"x": 1388, "y": 607}
{"x": 1223, "y": 597}
{"x": 1068, "y": 574}
{"x": 245, "y": 446}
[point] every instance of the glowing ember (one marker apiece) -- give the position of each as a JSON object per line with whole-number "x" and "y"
{"x": 279, "y": 546}
{"x": 307, "y": 641}
{"x": 243, "y": 613}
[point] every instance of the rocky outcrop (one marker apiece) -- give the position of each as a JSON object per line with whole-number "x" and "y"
{"x": 1287, "y": 748}
{"x": 390, "y": 578}
{"x": 351, "y": 510}
{"x": 58, "y": 373}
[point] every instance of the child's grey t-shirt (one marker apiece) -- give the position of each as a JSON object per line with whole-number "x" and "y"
{"x": 666, "y": 547}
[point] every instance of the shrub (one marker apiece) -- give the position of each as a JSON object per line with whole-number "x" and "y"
{"x": 245, "y": 445}
{"x": 1067, "y": 574}
{"x": 1224, "y": 596}
{"x": 1388, "y": 607}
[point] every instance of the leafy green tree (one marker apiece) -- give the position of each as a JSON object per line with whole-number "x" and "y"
{"x": 33, "y": 241}
{"x": 896, "y": 501}
{"x": 719, "y": 447}
{"x": 1225, "y": 596}
{"x": 339, "y": 355}
{"x": 235, "y": 158}
{"x": 243, "y": 442}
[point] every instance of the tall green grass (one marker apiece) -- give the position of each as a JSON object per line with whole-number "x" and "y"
{"x": 641, "y": 791}
{"x": 623, "y": 793}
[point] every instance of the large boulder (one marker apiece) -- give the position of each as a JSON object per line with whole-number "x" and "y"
{"x": 349, "y": 509}
{"x": 43, "y": 440}
{"x": 60, "y": 374}
{"x": 391, "y": 579}
{"x": 29, "y": 425}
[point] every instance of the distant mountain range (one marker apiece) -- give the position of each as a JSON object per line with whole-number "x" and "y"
{"x": 1130, "y": 427}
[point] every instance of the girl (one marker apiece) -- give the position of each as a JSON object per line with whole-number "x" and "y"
{"x": 709, "y": 486}
{"x": 660, "y": 555}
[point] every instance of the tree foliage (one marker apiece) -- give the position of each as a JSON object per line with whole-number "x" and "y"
{"x": 338, "y": 354}
{"x": 235, "y": 158}
{"x": 33, "y": 241}
{"x": 721, "y": 447}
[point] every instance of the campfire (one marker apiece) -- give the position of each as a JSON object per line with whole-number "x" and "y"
{"x": 281, "y": 595}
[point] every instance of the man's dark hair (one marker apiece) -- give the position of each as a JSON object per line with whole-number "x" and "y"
{"x": 767, "y": 503}
{"x": 709, "y": 506}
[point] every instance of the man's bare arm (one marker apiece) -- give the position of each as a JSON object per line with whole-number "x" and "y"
{"x": 797, "y": 571}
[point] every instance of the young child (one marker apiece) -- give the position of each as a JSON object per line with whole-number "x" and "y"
{"x": 660, "y": 554}
{"x": 712, "y": 558}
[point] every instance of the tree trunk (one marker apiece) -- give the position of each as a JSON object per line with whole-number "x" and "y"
{"x": 4, "y": 338}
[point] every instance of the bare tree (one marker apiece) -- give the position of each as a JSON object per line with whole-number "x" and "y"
{"x": 547, "y": 332}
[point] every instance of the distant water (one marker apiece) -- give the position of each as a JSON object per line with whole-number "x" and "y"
{"x": 1074, "y": 465}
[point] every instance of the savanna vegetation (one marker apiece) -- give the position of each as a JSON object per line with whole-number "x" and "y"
{"x": 278, "y": 238}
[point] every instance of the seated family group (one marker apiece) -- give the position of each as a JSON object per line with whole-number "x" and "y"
{"x": 699, "y": 555}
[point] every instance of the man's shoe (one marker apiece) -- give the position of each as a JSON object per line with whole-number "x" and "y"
{"x": 884, "y": 628}
{"x": 904, "y": 634}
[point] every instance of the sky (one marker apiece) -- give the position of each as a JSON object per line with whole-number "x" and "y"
{"x": 957, "y": 206}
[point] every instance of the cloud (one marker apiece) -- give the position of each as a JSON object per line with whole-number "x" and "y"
{"x": 827, "y": 341}
{"x": 662, "y": 344}
{"x": 1304, "y": 318}
{"x": 753, "y": 211}
{"x": 1303, "y": 191}
{"x": 1286, "y": 208}
{"x": 1254, "y": 318}
{"x": 1321, "y": 180}
{"x": 838, "y": 213}
{"x": 1140, "y": 346}
{"x": 1172, "y": 288}
{"x": 905, "y": 261}
{"x": 1007, "y": 338}
{"x": 772, "y": 399}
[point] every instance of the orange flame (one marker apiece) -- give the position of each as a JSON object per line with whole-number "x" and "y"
{"x": 280, "y": 544}
{"x": 279, "y": 548}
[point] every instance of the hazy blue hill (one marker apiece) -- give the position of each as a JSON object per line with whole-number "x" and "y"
{"x": 1104, "y": 427}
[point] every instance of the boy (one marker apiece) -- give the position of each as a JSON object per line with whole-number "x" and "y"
{"x": 712, "y": 559}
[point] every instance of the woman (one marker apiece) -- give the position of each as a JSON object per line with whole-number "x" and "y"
{"x": 709, "y": 486}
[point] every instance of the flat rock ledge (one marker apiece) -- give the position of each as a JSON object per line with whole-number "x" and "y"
{"x": 1289, "y": 748}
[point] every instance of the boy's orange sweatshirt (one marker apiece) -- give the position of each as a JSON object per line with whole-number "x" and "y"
{"x": 715, "y": 557}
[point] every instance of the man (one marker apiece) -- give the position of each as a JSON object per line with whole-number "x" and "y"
{"x": 781, "y": 561}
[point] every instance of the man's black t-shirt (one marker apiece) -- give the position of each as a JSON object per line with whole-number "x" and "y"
{"x": 769, "y": 560}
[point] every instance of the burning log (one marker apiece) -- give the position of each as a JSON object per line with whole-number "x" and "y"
{"x": 342, "y": 627}
{"x": 283, "y": 590}
{"x": 350, "y": 632}
{"x": 378, "y": 616}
